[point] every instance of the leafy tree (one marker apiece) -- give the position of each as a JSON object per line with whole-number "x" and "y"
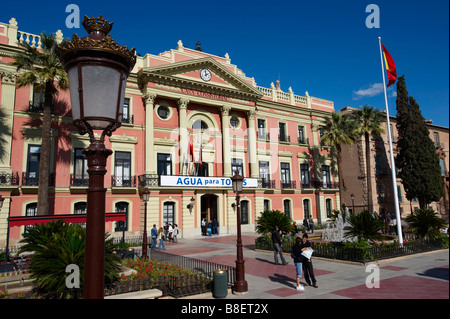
{"x": 270, "y": 218}
{"x": 363, "y": 226}
{"x": 338, "y": 129}
{"x": 425, "y": 222}
{"x": 417, "y": 160}
{"x": 369, "y": 121}
{"x": 55, "y": 245}
{"x": 42, "y": 68}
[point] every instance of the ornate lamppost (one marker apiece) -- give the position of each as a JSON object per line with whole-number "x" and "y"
{"x": 145, "y": 197}
{"x": 352, "y": 196}
{"x": 240, "y": 285}
{"x": 97, "y": 69}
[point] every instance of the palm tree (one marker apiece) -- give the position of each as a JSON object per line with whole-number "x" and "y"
{"x": 364, "y": 226}
{"x": 369, "y": 122}
{"x": 425, "y": 222}
{"x": 270, "y": 218}
{"x": 338, "y": 129}
{"x": 42, "y": 68}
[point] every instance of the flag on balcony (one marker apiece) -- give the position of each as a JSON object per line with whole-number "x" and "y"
{"x": 390, "y": 67}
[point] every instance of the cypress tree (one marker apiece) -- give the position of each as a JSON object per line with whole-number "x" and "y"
{"x": 417, "y": 160}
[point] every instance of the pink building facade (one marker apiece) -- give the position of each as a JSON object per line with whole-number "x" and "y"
{"x": 182, "y": 107}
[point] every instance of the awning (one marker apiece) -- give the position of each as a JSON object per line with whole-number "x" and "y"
{"x": 70, "y": 218}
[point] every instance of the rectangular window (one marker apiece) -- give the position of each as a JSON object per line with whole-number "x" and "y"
{"x": 80, "y": 174}
{"x": 164, "y": 164}
{"x": 326, "y": 177}
{"x": 441, "y": 163}
{"x": 378, "y": 169}
{"x": 282, "y": 137}
{"x": 301, "y": 135}
{"x": 304, "y": 174}
{"x": 264, "y": 174}
{"x": 285, "y": 175}
{"x": 399, "y": 193}
{"x": 436, "y": 139}
{"x": 237, "y": 165}
{"x": 126, "y": 111}
{"x": 122, "y": 169}
{"x": 261, "y": 128}
{"x": 306, "y": 208}
{"x": 34, "y": 157}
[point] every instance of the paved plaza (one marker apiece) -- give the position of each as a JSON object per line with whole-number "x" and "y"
{"x": 422, "y": 276}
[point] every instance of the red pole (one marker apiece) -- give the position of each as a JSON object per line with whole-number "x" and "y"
{"x": 94, "y": 271}
{"x": 240, "y": 285}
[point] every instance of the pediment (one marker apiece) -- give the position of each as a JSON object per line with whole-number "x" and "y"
{"x": 187, "y": 74}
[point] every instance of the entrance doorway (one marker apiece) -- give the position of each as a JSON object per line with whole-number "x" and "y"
{"x": 209, "y": 207}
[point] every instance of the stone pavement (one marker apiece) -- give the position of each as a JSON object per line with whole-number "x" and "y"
{"x": 422, "y": 276}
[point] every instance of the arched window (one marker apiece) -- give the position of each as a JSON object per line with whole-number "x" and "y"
{"x": 31, "y": 210}
{"x": 306, "y": 212}
{"x": 244, "y": 212}
{"x": 122, "y": 207}
{"x": 287, "y": 207}
{"x": 199, "y": 125}
{"x": 329, "y": 207}
{"x": 169, "y": 213}
{"x": 80, "y": 208}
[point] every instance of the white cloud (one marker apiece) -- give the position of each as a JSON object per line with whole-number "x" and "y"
{"x": 372, "y": 90}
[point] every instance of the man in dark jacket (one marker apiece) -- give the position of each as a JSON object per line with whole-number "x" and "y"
{"x": 307, "y": 263}
{"x": 276, "y": 240}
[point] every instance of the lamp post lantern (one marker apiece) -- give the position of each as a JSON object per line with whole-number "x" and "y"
{"x": 145, "y": 197}
{"x": 352, "y": 196}
{"x": 97, "y": 69}
{"x": 240, "y": 285}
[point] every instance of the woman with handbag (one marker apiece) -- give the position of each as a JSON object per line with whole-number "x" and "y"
{"x": 161, "y": 238}
{"x": 296, "y": 254}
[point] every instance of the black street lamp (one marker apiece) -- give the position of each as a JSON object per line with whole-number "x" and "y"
{"x": 97, "y": 69}
{"x": 240, "y": 285}
{"x": 352, "y": 196}
{"x": 145, "y": 197}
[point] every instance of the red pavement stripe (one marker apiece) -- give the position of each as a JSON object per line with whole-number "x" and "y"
{"x": 401, "y": 287}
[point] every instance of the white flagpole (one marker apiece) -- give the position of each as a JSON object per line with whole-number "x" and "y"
{"x": 394, "y": 177}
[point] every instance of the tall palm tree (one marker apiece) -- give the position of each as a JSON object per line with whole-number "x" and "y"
{"x": 369, "y": 122}
{"x": 42, "y": 67}
{"x": 338, "y": 129}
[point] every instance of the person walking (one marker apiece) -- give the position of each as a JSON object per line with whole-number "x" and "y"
{"x": 161, "y": 238}
{"x": 276, "y": 240}
{"x": 307, "y": 263}
{"x": 209, "y": 228}
{"x": 175, "y": 233}
{"x": 154, "y": 234}
{"x": 170, "y": 233}
{"x": 305, "y": 225}
{"x": 311, "y": 224}
{"x": 203, "y": 227}
{"x": 298, "y": 258}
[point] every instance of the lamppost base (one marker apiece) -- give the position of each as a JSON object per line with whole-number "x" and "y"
{"x": 240, "y": 288}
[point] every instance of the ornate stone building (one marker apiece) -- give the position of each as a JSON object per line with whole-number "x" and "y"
{"x": 191, "y": 119}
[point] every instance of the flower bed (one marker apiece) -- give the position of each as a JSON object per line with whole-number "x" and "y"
{"x": 171, "y": 279}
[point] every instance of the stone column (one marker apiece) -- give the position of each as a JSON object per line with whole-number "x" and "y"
{"x": 226, "y": 151}
{"x": 150, "y": 156}
{"x": 182, "y": 104}
{"x": 252, "y": 158}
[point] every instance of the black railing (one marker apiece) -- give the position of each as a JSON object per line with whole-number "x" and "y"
{"x": 79, "y": 181}
{"x": 288, "y": 185}
{"x": 9, "y": 179}
{"x": 121, "y": 181}
{"x": 33, "y": 180}
{"x": 201, "y": 267}
{"x": 266, "y": 183}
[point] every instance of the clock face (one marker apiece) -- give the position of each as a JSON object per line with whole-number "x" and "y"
{"x": 205, "y": 74}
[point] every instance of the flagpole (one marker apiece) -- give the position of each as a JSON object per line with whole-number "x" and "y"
{"x": 394, "y": 177}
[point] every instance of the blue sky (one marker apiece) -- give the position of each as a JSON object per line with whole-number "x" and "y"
{"x": 322, "y": 47}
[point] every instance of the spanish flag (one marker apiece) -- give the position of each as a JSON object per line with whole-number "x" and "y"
{"x": 390, "y": 67}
